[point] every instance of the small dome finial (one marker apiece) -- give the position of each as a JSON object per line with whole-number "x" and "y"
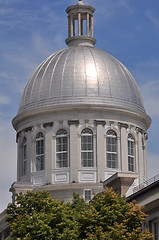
{"x": 80, "y": 2}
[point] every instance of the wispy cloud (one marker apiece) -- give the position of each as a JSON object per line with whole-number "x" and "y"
{"x": 111, "y": 8}
{"x": 154, "y": 18}
{"x": 5, "y": 100}
{"x": 125, "y": 4}
{"x": 7, "y": 161}
{"x": 153, "y": 164}
{"x": 4, "y": 11}
{"x": 150, "y": 95}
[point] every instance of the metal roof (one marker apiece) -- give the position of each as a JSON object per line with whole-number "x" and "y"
{"x": 81, "y": 75}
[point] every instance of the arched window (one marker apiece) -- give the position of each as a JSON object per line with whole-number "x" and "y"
{"x": 40, "y": 152}
{"x": 61, "y": 149}
{"x": 111, "y": 149}
{"x": 87, "y": 148}
{"x": 24, "y": 156}
{"x": 131, "y": 153}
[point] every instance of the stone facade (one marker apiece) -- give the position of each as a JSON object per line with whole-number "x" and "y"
{"x": 100, "y": 122}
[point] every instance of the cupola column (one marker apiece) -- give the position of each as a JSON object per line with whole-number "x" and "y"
{"x": 79, "y": 24}
{"x": 88, "y": 32}
{"x": 71, "y": 26}
{"x": 91, "y": 26}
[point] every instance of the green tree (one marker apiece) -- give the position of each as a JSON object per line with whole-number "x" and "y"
{"x": 108, "y": 216}
{"x": 37, "y": 216}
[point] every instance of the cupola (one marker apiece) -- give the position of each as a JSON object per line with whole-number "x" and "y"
{"x": 80, "y": 25}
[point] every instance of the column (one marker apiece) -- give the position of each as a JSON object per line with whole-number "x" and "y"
{"x": 48, "y": 152}
{"x": 141, "y": 160}
{"x": 74, "y": 27}
{"x": 145, "y": 154}
{"x": 73, "y": 150}
{"x": 88, "y": 32}
{"x": 137, "y": 155}
{"x": 124, "y": 148}
{"x": 101, "y": 153}
{"x": 71, "y": 25}
{"x": 91, "y": 26}
{"x": 79, "y": 24}
{"x": 119, "y": 152}
{"x": 29, "y": 157}
{"x": 19, "y": 155}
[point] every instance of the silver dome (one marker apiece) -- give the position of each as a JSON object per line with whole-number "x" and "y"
{"x": 81, "y": 75}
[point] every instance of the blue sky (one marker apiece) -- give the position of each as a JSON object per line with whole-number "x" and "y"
{"x": 31, "y": 30}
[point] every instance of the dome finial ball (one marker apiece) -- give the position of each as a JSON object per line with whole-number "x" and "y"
{"x": 80, "y": 2}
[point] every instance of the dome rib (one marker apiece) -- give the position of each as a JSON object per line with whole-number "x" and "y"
{"x": 42, "y": 82}
{"x": 59, "y": 54}
{"x": 129, "y": 93}
{"x": 116, "y": 77}
{"x": 35, "y": 82}
{"x": 63, "y": 72}
{"x": 95, "y": 64}
{"x": 105, "y": 66}
{"x": 86, "y": 92}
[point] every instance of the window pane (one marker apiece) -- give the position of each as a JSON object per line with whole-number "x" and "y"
{"x": 39, "y": 152}
{"x": 131, "y": 153}
{"x": 111, "y": 149}
{"x": 88, "y": 195}
{"x": 61, "y": 149}
{"x": 87, "y": 148}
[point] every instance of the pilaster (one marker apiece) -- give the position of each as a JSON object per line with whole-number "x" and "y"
{"x": 73, "y": 150}
{"x": 29, "y": 155}
{"x": 48, "y": 153}
{"x": 101, "y": 153}
{"x": 124, "y": 148}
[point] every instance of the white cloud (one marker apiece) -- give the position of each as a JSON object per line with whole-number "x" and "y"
{"x": 5, "y": 99}
{"x": 111, "y": 8}
{"x": 7, "y": 162}
{"x": 150, "y": 95}
{"x": 153, "y": 164}
{"x": 153, "y": 18}
{"x": 151, "y": 62}
{"x": 44, "y": 47}
{"x": 4, "y": 11}
{"x": 125, "y": 4}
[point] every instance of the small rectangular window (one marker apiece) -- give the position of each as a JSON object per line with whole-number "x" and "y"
{"x": 87, "y": 195}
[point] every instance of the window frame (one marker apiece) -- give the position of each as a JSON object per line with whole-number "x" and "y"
{"x": 110, "y": 136}
{"x": 131, "y": 153}
{"x": 40, "y": 152}
{"x": 62, "y": 136}
{"x": 87, "y": 162}
{"x": 87, "y": 195}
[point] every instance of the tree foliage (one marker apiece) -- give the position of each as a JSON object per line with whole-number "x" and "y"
{"x": 35, "y": 215}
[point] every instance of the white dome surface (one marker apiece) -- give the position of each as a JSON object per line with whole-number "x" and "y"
{"x": 81, "y": 75}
